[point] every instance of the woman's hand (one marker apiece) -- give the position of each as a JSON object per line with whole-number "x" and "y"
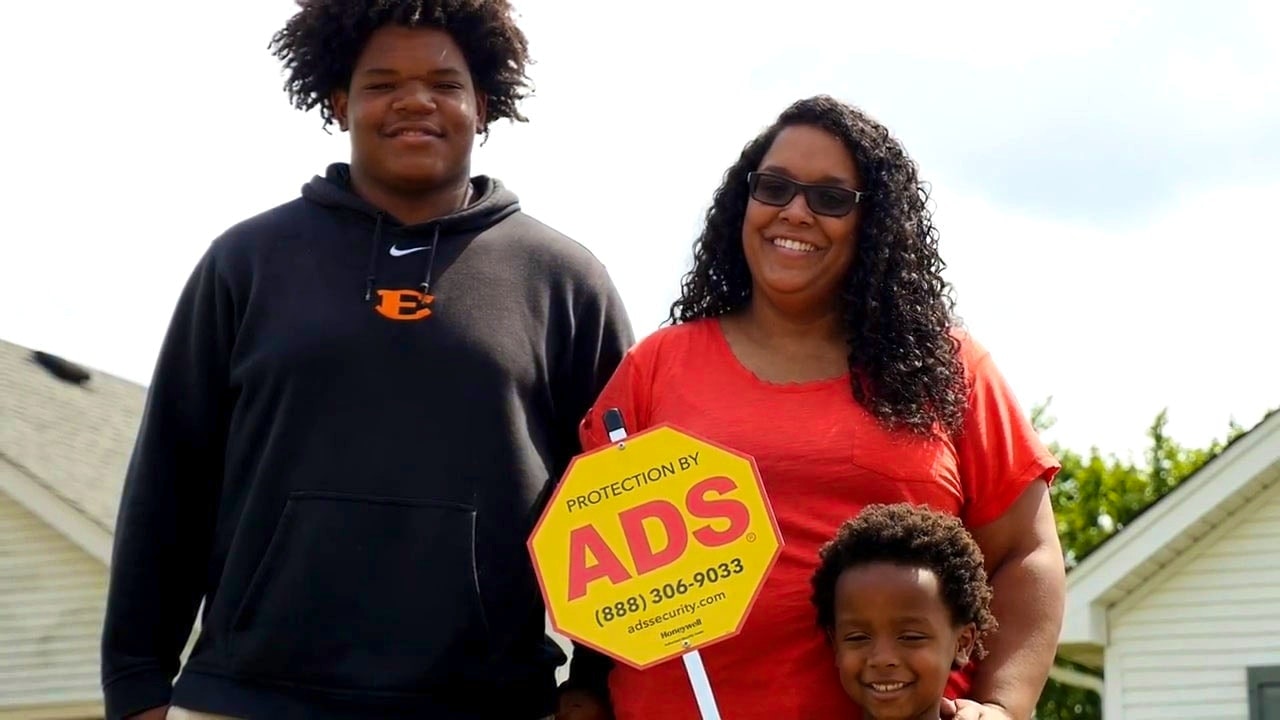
{"x": 582, "y": 705}
{"x": 970, "y": 710}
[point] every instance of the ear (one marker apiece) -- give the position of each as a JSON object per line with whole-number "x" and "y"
{"x": 966, "y": 640}
{"x": 482, "y": 112}
{"x": 338, "y": 99}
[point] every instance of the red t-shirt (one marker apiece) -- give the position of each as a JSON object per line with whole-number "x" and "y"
{"x": 822, "y": 458}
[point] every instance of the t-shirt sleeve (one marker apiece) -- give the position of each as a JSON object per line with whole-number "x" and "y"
{"x": 628, "y": 392}
{"x": 1000, "y": 453}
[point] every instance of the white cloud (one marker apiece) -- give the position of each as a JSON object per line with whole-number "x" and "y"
{"x": 128, "y": 150}
{"x": 1178, "y": 313}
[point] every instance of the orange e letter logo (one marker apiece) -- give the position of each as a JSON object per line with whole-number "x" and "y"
{"x": 403, "y": 304}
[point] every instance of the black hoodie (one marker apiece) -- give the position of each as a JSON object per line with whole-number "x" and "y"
{"x": 350, "y": 431}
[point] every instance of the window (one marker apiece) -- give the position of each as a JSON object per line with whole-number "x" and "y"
{"x": 1264, "y": 693}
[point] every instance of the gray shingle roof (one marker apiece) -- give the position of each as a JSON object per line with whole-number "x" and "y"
{"x": 73, "y": 439}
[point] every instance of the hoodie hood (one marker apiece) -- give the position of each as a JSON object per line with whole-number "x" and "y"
{"x": 490, "y": 203}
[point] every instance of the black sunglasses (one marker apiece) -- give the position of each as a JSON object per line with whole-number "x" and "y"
{"x": 779, "y": 191}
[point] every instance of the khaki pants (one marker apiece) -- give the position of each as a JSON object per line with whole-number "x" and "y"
{"x": 177, "y": 713}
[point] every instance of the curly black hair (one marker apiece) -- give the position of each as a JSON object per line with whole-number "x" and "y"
{"x": 902, "y": 534}
{"x": 898, "y": 312}
{"x": 320, "y": 44}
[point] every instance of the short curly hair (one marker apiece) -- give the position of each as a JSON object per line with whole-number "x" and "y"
{"x": 320, "y": 44}
{"x": 898, "y": 312}
{"x": 902, "y": 534}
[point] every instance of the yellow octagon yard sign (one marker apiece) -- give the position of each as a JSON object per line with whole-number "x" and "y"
{"x": 654, "y": 546}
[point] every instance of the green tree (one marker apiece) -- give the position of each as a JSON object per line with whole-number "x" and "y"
{"x": 1096, "y": 496}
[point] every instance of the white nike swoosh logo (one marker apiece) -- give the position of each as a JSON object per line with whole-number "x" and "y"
{"x": 397, "y": 252}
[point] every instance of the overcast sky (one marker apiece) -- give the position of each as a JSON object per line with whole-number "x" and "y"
{"x": 1102, "y": 171}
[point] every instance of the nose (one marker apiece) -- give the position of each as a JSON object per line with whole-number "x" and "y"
{"x": 415, "y": 98}
{"x": 797, "y": 211}
{"x": 883, "y": 655}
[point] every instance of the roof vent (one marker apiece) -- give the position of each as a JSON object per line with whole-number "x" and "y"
{"x": 64, "y": 370}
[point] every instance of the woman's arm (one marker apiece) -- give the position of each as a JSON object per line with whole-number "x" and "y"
{"x": 1028, "y": 578}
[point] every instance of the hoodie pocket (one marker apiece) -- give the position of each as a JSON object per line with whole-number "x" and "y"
{"x": 364, "y": 594}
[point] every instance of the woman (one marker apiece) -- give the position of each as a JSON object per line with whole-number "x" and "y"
{"x": 815, "y": 332}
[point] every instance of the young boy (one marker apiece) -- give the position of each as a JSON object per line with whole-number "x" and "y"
{"x": 363, "y": 399}
{"x": 902, "y": 595}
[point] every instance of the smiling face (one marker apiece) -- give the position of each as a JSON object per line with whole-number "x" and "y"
{"x": 799, "y": 258}
{"x": 412, "y": 110}
{"x": 894, "y": 640}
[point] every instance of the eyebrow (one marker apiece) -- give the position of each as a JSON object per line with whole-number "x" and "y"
{"x": 824, "y": 180}
{"x": 446, "y": 71}
{"x": 906, "y": 620}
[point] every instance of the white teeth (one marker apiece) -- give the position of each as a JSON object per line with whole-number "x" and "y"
{"x": 887, "y": 687}
{"x": 789, "y": 244}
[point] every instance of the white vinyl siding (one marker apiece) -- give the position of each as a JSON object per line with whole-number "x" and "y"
{"x": 1181, "y": 648}
{"x": 52, "y": 597}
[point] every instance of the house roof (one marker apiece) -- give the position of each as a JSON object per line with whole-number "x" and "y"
{"x": 66, "y": 434}
{"x": 1202, "y": 502}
